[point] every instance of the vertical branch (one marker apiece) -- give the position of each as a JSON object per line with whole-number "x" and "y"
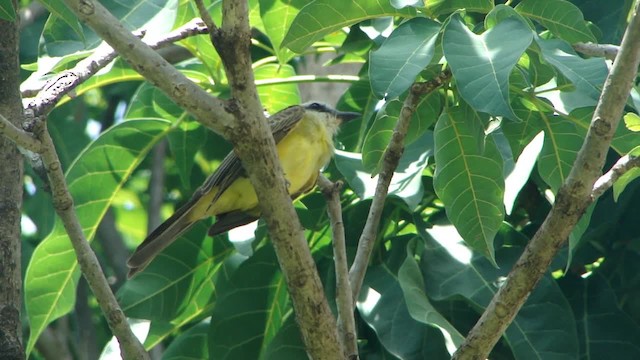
{"x": 344, "y": 298}
{"x": 573, "y": 198}
{"x": 11, "y": 173}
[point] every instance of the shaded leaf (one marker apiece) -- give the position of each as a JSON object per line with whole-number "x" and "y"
{"x": 561, "y": 17}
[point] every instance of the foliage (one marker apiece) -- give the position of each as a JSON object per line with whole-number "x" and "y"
{"x": 449, "y": 234}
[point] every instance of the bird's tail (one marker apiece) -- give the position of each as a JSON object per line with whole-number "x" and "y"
{"x": 160, "y": 238}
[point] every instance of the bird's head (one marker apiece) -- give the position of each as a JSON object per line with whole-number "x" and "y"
{"x": 331, "y": 117}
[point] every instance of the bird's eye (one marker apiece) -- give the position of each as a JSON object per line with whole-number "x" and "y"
{"x": 315, "y": 106}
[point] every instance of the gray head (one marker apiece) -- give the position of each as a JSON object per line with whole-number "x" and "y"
{"x": 342, "y": 116}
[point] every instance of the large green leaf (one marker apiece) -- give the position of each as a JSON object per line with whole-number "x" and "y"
{"x": 382, "y": 305}
{"x": 322, "y": 17}
{"x": 277, "y": 16}
{"x": 439, "y": 7}
{"x": 60, "y": 11}
{"x": 469, "y": 179}
{"x": 605, "y": 331}
{"x": 93, "y": 179}
{"x": 276, "y": 97}
{"x": 544, "y": 327}
{"x": 403, "y": 55}
{"x": 191, "y": 344}
{"x": 561, "y": 17}
{"x": 252, "y": 309}
{"x": 155, "y": 16}
{"x": 587, "y": 75}
{"x": 481, "y": 64}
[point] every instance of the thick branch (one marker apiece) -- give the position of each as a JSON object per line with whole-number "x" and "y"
{"x": 390, "y": 160}
{"x": 572, "y": 200}
{"x": 18, "y": 136}
{"x": 130, "y": 347}
{"x": 344, "y": 299}
{"x": 207, "y": 109}
{"x": 317, "y": 324}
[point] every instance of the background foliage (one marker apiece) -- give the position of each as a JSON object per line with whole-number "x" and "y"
{"x": 485, "y": 156}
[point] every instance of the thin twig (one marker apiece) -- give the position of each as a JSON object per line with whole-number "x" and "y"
{"x": 607, "y": 51}
{"x": 573, "y": 198}
{"x": 206, "y": 17}
{"x": 390, "y": 160}
{"x": 344, "y": 298}
{"x": 620, "y": 168}
{"x": 63, "y": 83}
{"x": 18, "y": 136}
{"x": 130, "y": 347}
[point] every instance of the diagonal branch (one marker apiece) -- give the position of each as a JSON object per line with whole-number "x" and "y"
{"x": 573, "y": 198}
{"x": 390, "y": 161}
{"x": 620, "y": 168}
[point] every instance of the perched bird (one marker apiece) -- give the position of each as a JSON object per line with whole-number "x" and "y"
{"x": 304, "y": 141}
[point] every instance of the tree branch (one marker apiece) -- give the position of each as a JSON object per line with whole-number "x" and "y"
{"x": 607, "y": 51}
{"x": 18, "y": 136}
{"x": 210, "y": 111}
{"x": 63, "y": 83}
{"x": 620, "y": 168}
{"x": 573, "y": 198}
{"x": 130, "y": 347}
{"x": 390, "y": 160}
{"x": 344, "y": 298}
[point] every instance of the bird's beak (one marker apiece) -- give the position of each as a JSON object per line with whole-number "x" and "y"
{"x": 346, "y": 116}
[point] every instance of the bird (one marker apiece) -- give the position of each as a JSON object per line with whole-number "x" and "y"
{"x": 304, "y": 141}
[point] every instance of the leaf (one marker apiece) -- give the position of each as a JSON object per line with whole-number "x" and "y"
{"x": 276, "y": 97}
{"x": 481, "y": 64}
{"x": 439, "y": 7}
{"x": 59, "y": 10}
{"x": 419, "y": 306}
{"x": 322, "y": 17}
{"x": 191, "y": 344}
{"x": 382, "y": 306}
{"x": 253, "y": 307}
{"x": 277, "y": 16}
{"x": 407, "y": 179}
{"x": 605, "y": 330}
{"x": 468, "y": 180}
{"x": 561, "y": 17}
{"x": 93, "y": 179}
{"x": 544, "y": 328}
{"x": 587, "y": 75}
{"x": 403, "y": 55}
{"x": 632, "y": 121}
{"x": 7, "y": 10}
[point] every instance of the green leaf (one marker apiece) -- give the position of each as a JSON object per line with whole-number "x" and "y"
{"x": 439, "y": 7}
{"x": 60, "y": 11}
{"x": 632, "y": 121}
{"x": 253, "y": 307}
{"x": 287, "y": 344}
{"x": 191, "y": 344}
{"x": 402, "y": 56}
{"x": 179, "y": 284}
{"x": 562, "y": 18}
{"x": 277, "y": 16}
{"x": 418, "y": 304}
{"x": 382, "y": 305}
{"x": 481, "y": 64}
{"x": 7, "y": 11}
{"x": 407, "y": 179}
{"x": 322, "y": 17}
{"x": 562, "y": 140}
{"x": 184, "y": 141}
{"x": 605, "y": 331}
{"x": 626, "y": 178}
{"x": 93, "y": 179}
{"x": 543, "y": 329}
{"x": 468, "y": 180}
{"x": 276, "y": 97}
{"x": 587, "y": 75}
